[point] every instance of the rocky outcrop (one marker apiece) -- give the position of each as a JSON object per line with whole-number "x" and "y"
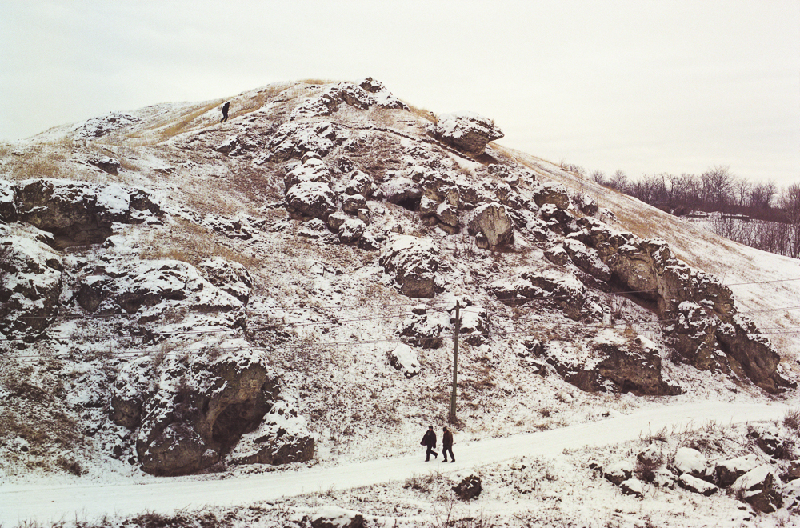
{"x": 493, "y": 223}
{"x": 759, "y": 488}
{"x": 334, "y": 517}
{"x": 199, "y": 412}
{"x": 362, "y": 95}
{"x": 423, "y": 329}
{"x": 551, "y": 193}
{"x": 106, "y": 164}
{"x": 155, "y": 290}
{"x": 30, "y": 283}
{"x": 561, "y": 290}
{"x": 77, "y": 213}
{"x": 413, "y": 262}
{"x": 294, "y": 139}
{"x": 708, "y": 331}
{"x": 466, "y": 131}
{"x": 614, "y": 362}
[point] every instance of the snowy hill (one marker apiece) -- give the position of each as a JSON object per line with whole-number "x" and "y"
{"x": 185, "y": 296}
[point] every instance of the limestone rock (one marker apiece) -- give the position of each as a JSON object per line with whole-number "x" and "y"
{"x": 351, "y": 204}
{"x": 334, "y": 517}
{"x": 696, "y": 485}
{"x": 424, "y": 329}
{"x": 466, "y": 131}
{"x": 79, "y": 213}
{"x": 351, "y": 230}
{"x": 727, "y": 471}
{"x": 192, "y": 424}
{"x": 551, "y": 193}
{"x": 106, "y": 164}
{"x": 413, "y": 262}
{"x": 492, "y": 221}
{"x": 760, "y": 488}
{"x": 311, "y": 199}
{"x": 311, "y": 170}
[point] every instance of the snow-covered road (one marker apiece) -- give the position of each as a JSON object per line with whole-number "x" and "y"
{"x": 20, "y": 502}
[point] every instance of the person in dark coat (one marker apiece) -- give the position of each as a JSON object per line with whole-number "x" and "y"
{"x": 225, "y": 108}
{"x": 447, "y": 445}
{"x": 429, "y": 441}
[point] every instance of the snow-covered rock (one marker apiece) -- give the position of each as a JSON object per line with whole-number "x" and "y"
{"x": 314, "y": 199}
{"x": 696, "y": 485}
{"x": 691, "y": 461}
{"x": 413, "y": 262}
{"x": 405, "y": 359}
{"x": 727, "y": 471}
{"x": 335, "y": 517}
{"x": 30, "y": 285}
{"x": 466, "y": 131}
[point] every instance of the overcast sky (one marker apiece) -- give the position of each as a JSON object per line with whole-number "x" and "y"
{"x": 642, "y": 86}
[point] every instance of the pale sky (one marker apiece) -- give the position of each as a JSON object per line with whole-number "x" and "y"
{"x": 642, "y": 86}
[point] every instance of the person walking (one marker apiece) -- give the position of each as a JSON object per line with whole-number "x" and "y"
{"x": 225, "y": 108}
{"x": 447, "y": 445}
{"x": 429, "y": 441}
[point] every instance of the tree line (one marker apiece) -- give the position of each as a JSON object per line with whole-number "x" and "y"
{"x": 758, "y": 214}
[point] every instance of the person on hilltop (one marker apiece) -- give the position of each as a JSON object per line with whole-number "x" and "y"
{"x": 447, "y": 445}
{"x": 225, "y": 108}
{"x": 429, "y": 441}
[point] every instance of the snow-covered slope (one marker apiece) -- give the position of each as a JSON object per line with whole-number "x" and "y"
{"x": 183, "y": 295}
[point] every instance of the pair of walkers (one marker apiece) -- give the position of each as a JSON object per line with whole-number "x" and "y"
{"x": 429, "y": 441}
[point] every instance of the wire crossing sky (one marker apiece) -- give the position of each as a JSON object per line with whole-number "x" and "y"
{"x": 643, "y": 86}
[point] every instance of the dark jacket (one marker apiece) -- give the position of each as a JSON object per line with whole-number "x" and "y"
{"x": 429, "y": 439}
{"x": 447, "y": 439}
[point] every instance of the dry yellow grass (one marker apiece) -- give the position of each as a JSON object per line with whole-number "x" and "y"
{"x": 184, "y": 123}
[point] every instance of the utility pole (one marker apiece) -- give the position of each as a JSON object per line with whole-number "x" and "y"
{"x": 452, "y": 417}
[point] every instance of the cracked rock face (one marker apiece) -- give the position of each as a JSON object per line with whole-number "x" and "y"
{"x": 77, "y": 213}
{"x": 197, "y": 415}
{"x": 492, "y": 221}
{"x": 30, "y": 284}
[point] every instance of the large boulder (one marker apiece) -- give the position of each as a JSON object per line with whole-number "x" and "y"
{"x": 311, "y": 170}
{"x": 293, "y": 139}
{"x": 156, "y": 290}
{"x": 413, "y": 262}
{"x": 492, "y": 221}
{"x": 281, "y": 438}
{"x": 424, "y": 329}
{"x": 559, "y": 289}
{"x": 335, "y": 517}
{"x": 466, "y": 131}
{"x": 404, "y": 359}
{"x": 651, "y": 272}
{"x": 611, "y": 362}
{"x": 727, "y": 471}
{"x": 759, "y": 487}
{"x": 311, "y": 199}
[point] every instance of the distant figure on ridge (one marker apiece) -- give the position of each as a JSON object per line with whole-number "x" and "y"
{"x": 447, "y": 445}
{"x": 429, "y": 441}
{"x": 225, "y": 108}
